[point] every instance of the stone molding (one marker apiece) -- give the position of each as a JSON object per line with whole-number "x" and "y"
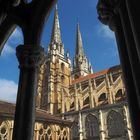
{"x": 30, "y": 57}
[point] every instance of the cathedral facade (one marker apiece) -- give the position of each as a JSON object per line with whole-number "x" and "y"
{"x": 95, "y": 103}
{"x": 73, "y": 102}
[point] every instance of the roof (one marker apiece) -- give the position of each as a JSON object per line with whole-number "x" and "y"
{"x": 7, "y": 110}
{"x": 97, "y": 74}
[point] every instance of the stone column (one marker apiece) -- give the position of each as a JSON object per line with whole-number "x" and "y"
{"x": 108, "y": 15}
{"x": 80, "y": 127}
{"x": 112, "y": 84}
{"x": 129, "y": 130}
{"x": 30, "y": 59}
{"x": 91, "y": 94}
{"x": 128, "y": 78}
{"x": 133, "y": 13}
{"x": 76, "y": 103}
{"x": 110, "y": 99}
{"x": 102, "y": 126}
{"x": 63, "y": 103}
{"x": 131, "y": 47}
{"x": 95, "y": 98}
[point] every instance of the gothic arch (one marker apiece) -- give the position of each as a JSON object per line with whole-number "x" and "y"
{"x": 86, "y": 102}
{"x": 92, "y": 127}
{"x": 115, "y": 125}
{"x": 75, "y": 130}
{"x": 103, "y": 99}
{"x": 46, "y": 132}
{"x": 62, "y": 67}
{"x": 119, "y": 96}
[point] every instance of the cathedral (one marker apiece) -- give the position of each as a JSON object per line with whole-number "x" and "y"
{"x": 73, "y": 102}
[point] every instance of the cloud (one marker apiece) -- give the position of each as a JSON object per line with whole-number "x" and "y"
{"x": 111, "y": 52}
{"x": 105, "y": 32}
{"x": 8, "y": 50}
{"x": 8, "y": 90}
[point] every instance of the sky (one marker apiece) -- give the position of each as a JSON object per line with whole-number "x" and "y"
{"x": 98, "y": 41}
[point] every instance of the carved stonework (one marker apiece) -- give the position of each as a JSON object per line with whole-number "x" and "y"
{"x": 30, "y": 57}
{"x": 108, "y": 12}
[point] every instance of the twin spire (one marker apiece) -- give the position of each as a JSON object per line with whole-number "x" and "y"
{"x": 56, "y": 33}
{"x": 81, "y": 63}
{"x": 79, "y": 42}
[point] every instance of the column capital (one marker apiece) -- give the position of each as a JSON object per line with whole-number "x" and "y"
{"x": 29, "y": 56}
{"x": 108, "y": 12}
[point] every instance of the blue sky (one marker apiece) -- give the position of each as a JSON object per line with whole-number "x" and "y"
{"x": 99, "y": 42}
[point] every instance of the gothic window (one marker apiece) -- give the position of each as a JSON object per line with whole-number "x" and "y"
{"x": 115, "y": 125}
{"x": 62, "y": 67}
{"x": 103, "y": 99}
{"x": 119, "y": 95}
{"x": 62, "y": 78}
{"x": 92, "y": 127}
{"x": 75, "y": 130}
{"x": 45, "y": 133}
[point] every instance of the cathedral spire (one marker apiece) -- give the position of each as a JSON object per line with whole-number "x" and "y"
{"x": 56, "y": 33}
{"x": 79, "y": 43}
{"x": 81, "y": 65}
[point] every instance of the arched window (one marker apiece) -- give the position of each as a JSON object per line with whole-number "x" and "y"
{"x": 62, "y": 78}
{"x": 116, "y": 125}
{"x": 119, "y": 95}
{"x": 92, "y": 127}
{"x": 75, "y": 131}
{"x": 62, "y": 67}
{"x": 103, "y": 99}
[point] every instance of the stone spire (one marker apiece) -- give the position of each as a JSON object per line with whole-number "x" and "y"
{"x": 81, "y": 65}
{"x": 56, "y": 46}
{"x": 56, "y": 33}
{"x": 79, "y": 43}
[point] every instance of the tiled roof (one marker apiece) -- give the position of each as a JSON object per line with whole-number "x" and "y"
{"x": 7, "y": 110}
{"x": 95, "y": 75}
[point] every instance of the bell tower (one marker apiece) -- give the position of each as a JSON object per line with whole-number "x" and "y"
{"x": 57, "y": 72}
{"x": 81, "y": 65}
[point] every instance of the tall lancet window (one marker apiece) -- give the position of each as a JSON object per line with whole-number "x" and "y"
{"x": 92, "y": 127}
{"x": 116, "y": 126}
{"x": 75, "y": 131}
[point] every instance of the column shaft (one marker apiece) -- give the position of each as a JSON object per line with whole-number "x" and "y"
{"x": 128, "y": 79}
{"x": 25, "y": 105}
{"x": 102, "y": 129}
{"x": 131, "y": 48}
{"x": 76, "y": 103}
{"x": 134, "y": 13}
{"x": 130, "y": 136}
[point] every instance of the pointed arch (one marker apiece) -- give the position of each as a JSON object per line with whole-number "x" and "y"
{"x": 120, "y": 96}
{"x": 92, "y": 127}
{"x": 116, "y": 125}
{"x": 103, "y": 100}
{"x": 75, "y": 131}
